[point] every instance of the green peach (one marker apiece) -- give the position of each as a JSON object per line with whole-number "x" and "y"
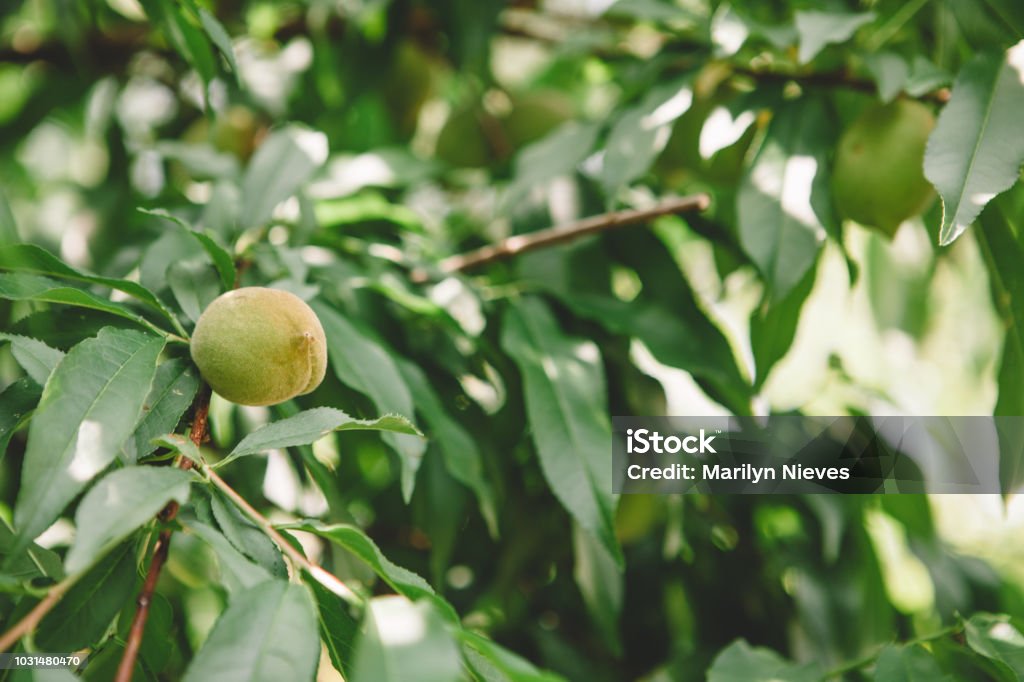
{"x": 259, "y": 346}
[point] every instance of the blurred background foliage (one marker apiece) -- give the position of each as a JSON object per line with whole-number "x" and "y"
{"x": 335, "y": 147}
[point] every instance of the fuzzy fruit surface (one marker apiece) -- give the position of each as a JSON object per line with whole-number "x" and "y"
{"x": 878, "y": 179}
{"x": 259, "y": 346}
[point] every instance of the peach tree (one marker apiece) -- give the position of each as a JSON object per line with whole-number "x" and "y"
{"x": 500, "y": 224}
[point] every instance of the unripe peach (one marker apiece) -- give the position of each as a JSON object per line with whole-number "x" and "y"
{"x": 259, "y": 346}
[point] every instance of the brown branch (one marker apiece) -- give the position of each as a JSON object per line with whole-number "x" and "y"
{"x": 831, "y": 79}
{"x": 521, "y": 243}
{"x": 156, "y": 563}
{"x": 31, "y": 619}
{"x": 325, "y": 578}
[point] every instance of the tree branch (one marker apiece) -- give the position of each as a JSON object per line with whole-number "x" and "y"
{"x": 197, "y": 434}
{"x": 521, "y": 243}
{"x": 31, "y": 619}
{"x": 328, "y": 580}
{"x": 835, "y": 79}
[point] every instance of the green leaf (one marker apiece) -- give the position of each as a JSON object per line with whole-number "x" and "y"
{"x": 552, "y": 156}
{"x": 34, "y": 356}
{"x": 24, "y": 287}
{"x": 361, "y": 362}
{"x": 201, "y": 161}
{"x": 90, "y": 405}
{"x": 996, "y": 638}
{"x": 8, "y": 227}
{"x": 159, "y": 643}
{"x": 35, "y": 562}
{"x": 311, "y": 425}
{"x": 354, "y": 540}
{"x": 174, "y": 387}
{"x": 404, "y": 640}
{"x": 818, "y": 29}
{"x": 222, "y": 260}
{"x": 975, "y": 151}
{"x": 283, "y": 163}
{"x": 180, "y": 444}
{"x": 268, "y": 633}
{"x": 219, "y": 37}
{"x": 910, "y": 663}
{"x": 219, "y": 256}
{"x": 642, "y": 132}
{"x": 494, "y": 663}
{"x": 82, "y": 616}
{"x": 1003, "y": 255}
{"x": 783, "y": 203}
{"x": 187, "y": 39}
{"x": 740, "y": 662}
{"x": 462, "y": 457}
{"x": 339, "y": 627}
{"x": 17, "y": 401}
{"x": 564, "y": 390}
{"x": 32, "y": 259}
{"x": 773, "y": 326}
{"x": 601, "y": 584}
{"x": 194, "y": 285}
{"x": 122, "y": 501}
{"x": 246, "y": 537}
{"x": 890, "y": 71}
{"x": 238, "y": 572}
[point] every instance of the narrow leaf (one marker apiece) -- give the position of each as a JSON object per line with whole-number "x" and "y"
{"x": 910, "y": 663}
{"x": 246, "y": 537}
{"x": 996, "y": 638}
{"x": 976, "y": 150}
{"x": 339, "y": 627}
{"x": 34, "y": 563}
{"x": 503, "y": 665}
{"x": 642, "y": 133}
{"x": 268, "y": 633}
{"x": 601, "y": 584}
{"x": 564, "y": 390}
{"x": 83, "y": 615}
{"x": 238, "y": 572}
{"x": 17, "y": 401}
{"x": 34, "y": 356}
{"x": 818, "y": 29}
{"x": 362, "y": 363}
{"x": 25, "y": 287}
{"x": 311, "y": 425}
{"x": 404, "y": 640}
{"x": 783, "y": 201}
{"x": 174, "y": 386}
{"x": 90, "y": 404}
{"x": 121, "y": 502}
{"x": 282, "y": 164}
{"x": 1003, "y": 255}
{"x": 462, "y": 457}
{"x": 219, "y": 37}
{"x": 8, "y": 227}
{"x": 354, "y": 540}
{"x": 740, "y": 662}
{"x": 32, "y": 259}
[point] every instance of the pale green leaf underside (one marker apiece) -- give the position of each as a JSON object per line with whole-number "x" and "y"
{"x": 976, "y": 149}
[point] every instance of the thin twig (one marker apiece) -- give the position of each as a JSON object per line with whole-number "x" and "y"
{"x": 160, "y": 550}
{"x": 31, "y": 619}
{"x": 521, "y": 243}
{"x": 322, "y": 576}
{"x": 835, "y": 79}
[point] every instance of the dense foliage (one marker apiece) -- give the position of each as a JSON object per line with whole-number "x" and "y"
{"x": 849, "y": 241}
